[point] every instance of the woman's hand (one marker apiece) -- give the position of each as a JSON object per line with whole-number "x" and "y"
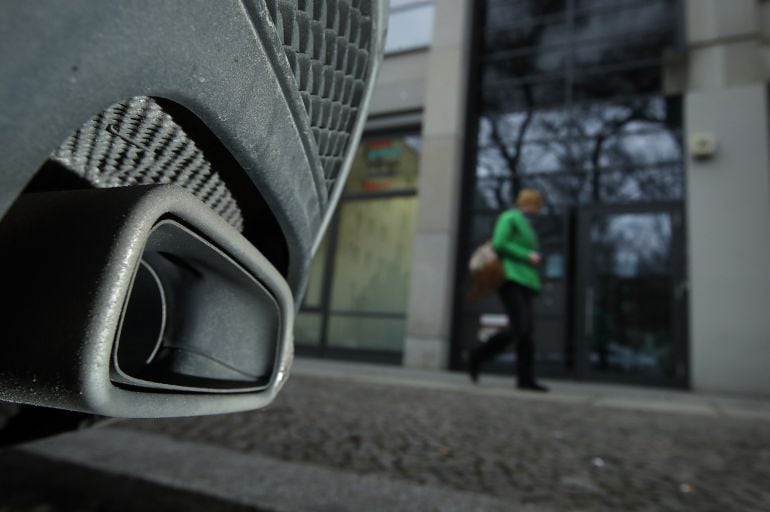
{"x": 535, "y": 258}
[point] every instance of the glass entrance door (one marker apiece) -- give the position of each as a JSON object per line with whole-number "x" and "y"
{"x": 631, "y": 286}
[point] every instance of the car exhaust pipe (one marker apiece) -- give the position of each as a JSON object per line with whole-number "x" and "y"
{"x": 138, "y": 302}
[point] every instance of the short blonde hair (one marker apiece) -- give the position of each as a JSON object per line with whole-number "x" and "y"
{"x": 529, "y": 196}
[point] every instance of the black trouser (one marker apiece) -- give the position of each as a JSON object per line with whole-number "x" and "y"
{"x": 517, "y": 300}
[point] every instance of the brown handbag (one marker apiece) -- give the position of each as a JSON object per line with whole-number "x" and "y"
{"x": 487, "y": 271}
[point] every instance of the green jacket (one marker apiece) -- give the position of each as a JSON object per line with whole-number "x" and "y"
{"x": 514, "y": 240}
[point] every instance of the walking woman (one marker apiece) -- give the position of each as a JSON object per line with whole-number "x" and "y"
{"x": 515, "y": 242}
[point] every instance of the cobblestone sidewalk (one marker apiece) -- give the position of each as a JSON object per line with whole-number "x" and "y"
{"x": 560, "y": 456}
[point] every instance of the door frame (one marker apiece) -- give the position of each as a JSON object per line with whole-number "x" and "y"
{"x": 583, "y": 307}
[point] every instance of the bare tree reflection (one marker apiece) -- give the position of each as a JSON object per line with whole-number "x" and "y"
{"x": 533, "y": 133}
{"x": 632, "y": 269}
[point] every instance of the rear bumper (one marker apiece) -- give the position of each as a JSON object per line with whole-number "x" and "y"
{"x": 223, "y": 61}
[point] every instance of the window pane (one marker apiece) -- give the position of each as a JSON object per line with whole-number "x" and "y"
{"x": 493, "y": 194}
{"x": 585, "y": 138}
{"x": 629, "y": 49}
{"x": 307, "y": 329}
{"x": 613, "y": 152}
{"x": 482, "y": 227}
{"x": 604, "y": 48}
{"x": 560, "y": 191}
{"x": 374, "y": 255}
{"x": 632, "y": 274}
{"x": 409, "y": 26}
{"x": 520, "y": 65}
{"x": 532, "y": 125}
{"x": 654, "y": 184}
{"x": 512, "y": 95}
{"x": 505, "y": 31}
{"x": 624, "y": 135}
{"x": 367, "y": 333}
{"x": 527, "y": 19}
{"x": 627, "y": 116}
{"x": 592, "y": 83}
{"x": 498, "y": 8}
{"x": 626, "y": 20}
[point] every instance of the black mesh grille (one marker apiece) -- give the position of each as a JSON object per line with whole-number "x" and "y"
{"x": 327, "y": 44}
{"x": 137, "y": 143}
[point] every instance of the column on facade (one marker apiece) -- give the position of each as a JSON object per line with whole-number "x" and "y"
{"x": 728, "y": 195}
{"x": 432, "y": 275}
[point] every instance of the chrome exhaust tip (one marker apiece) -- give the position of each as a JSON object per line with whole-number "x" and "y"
{"x": 153, "y": 306}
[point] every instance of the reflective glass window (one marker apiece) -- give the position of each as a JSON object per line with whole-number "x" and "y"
{"x": 410, "y": 25}
{"x": 659, "y": 183}
{"x": 373, "y": 255}
{"x": 360, "y": 275}
{"x": 630, "y": 319}
{"x": 307, "y": 329}
{"x": 369, "y": 333}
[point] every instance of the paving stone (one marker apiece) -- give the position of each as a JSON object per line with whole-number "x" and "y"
{"x": 121, "y": 470}
{"x": 539, "y": 453}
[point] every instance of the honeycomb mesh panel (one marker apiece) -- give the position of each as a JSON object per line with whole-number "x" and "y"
{"x": 327, "y": 44}
{"x": 137, "y": 143}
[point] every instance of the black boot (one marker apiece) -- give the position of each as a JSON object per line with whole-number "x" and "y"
{"x": 532, "y": 386}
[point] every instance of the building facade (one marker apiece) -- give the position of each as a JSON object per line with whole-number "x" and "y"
{"x": 644, "y": 124}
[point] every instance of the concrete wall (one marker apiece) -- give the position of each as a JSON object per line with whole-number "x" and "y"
{"x": 432, "y": 275}
{"x": 728, "y": 207}
{"x": 728, "y": 197}
{"x": 726, "y": 47}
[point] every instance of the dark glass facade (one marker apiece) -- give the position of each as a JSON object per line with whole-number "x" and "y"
{"x": 571, "y": 102}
